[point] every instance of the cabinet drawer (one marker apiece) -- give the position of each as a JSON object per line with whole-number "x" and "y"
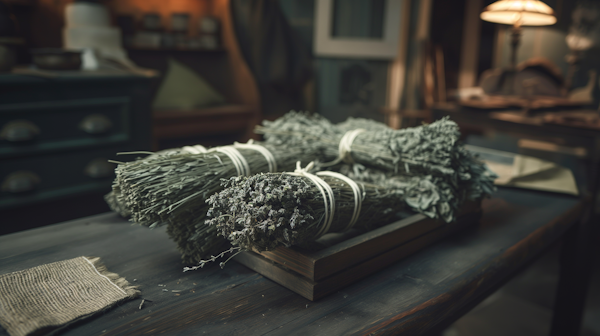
{"x": 39, "y": 127}
{"x": 31, "y": 179}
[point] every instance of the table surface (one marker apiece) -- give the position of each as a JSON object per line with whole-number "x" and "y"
{"x": 515, "y": 122}
{"x": 422, "y": 293}
{"x": 577, "y": 252}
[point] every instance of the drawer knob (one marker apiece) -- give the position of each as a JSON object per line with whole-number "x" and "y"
{"x": 19, "y": 130}
{"x": 96, "y": 124}
{"x": 20, "y": 181}
{"x": 99, "y": 168}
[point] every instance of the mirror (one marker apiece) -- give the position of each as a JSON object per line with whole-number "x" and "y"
{"x": 358, "y": 19}
{"x": 368, "y": 29}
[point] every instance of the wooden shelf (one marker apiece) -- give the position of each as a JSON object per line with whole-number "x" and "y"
{"x": 158, "y": 50}
{"x": 221, "y": 110}
{"x": 28, "y": 3}
{"x": 225, "y": 119}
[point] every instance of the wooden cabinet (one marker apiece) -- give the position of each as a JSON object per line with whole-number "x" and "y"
{"x": 58, "y": 133}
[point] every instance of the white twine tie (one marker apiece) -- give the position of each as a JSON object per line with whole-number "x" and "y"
{"x": 345, "y": 148}
{"x": 359, "y": 196}
{"x": 326, "y": 191}
{"x": 265, "y": 152}
{"x": 196, "y": 149}
{"x": 238, "y": 160}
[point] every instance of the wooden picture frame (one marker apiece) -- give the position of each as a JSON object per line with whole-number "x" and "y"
{"x": 326, "y": 45}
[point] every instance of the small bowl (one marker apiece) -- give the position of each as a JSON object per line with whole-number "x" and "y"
{"x": 56, "y": 59}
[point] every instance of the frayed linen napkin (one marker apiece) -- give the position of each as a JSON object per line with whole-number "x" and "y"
{"x": 47, "y": 298}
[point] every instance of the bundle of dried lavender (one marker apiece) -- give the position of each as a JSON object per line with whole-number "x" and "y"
{"x": 113, "y": 198}
{"x": 426, "y": 165}
{"x": 431, "y": 152}
{"x": 172, "y": 188}
{"x": 265, "y": 211}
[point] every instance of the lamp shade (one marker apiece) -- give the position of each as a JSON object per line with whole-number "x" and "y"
{"x": 519, "y": 12}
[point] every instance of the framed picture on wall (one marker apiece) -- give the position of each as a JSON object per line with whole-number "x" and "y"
{"x": 368, "y": 29}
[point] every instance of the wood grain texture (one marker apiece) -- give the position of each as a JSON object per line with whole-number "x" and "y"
{"x": 429, "y": 289}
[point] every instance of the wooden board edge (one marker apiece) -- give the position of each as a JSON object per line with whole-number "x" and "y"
{"x": 321, "y": 264}
{"x": 359, "y": 271}
{"x": 367, "y": 249}
{"x": 292, "y": 259}
{"x": 306, "y": 263}
{"x": 314, "y": 290}
{"x": 287, "y": 278}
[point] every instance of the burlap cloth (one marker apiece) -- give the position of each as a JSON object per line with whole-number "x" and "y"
{"x": 46, "y": 298}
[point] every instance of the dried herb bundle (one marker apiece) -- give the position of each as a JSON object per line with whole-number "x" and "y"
{"x": 172, "y": 188}
{"x": 264, "y": 211}
{"x": 432, "y": 152}
{"x": 427, "y": 195}
{"x": 112, "y": 199}
{"x": 426, "y": 166}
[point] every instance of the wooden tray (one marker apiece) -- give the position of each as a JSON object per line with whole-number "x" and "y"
{"x": 314, "y": 274}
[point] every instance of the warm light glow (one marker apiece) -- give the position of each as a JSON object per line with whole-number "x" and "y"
{"x": 519, "y": 12}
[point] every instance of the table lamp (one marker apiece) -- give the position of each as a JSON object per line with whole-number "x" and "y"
{"x": 517, "y": 13}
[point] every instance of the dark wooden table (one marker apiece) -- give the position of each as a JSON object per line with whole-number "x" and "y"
{"x": 422, "y": 294}
{"x": 577, "y": 254}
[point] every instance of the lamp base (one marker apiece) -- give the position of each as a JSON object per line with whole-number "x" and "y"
{"x": 506, "y": 82}
{"x": 500, "y": 82}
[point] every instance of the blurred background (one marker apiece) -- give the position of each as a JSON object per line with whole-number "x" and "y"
{"x": 82, "y": 80}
